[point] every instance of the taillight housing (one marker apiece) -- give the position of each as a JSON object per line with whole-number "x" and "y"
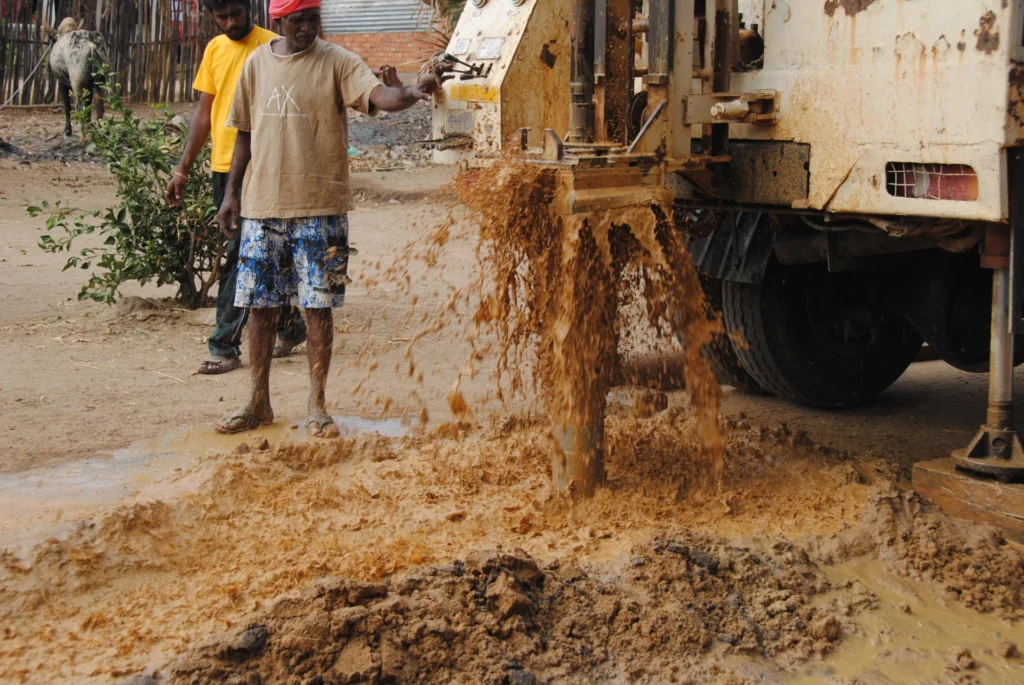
{"x": 957, "y": 182}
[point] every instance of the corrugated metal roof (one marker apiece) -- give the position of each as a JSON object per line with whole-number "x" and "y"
{"x": 372, "y": 16}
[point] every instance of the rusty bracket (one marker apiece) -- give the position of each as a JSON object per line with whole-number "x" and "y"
{"x": 519, "y": 139}
{"x": 553, "y": 148}
{"x": 761, "y": 107}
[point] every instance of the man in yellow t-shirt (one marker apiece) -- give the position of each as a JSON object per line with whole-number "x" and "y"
{"x": 216, "y": 81}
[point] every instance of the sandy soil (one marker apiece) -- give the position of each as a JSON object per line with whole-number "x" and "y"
{"x": 80, "y": 378}
{"x": 444, "y": 553}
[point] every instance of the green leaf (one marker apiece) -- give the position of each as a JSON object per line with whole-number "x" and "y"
{"x": 142, "y": 239}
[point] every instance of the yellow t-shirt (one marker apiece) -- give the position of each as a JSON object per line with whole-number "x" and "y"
{"x": 294, "y": 106}
{"x": 218, "y": 75}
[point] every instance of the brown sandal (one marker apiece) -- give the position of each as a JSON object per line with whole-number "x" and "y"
{"x": 248, "y": 422}
{"x": 324, "y": 429}
{"x": 215, "y": 366}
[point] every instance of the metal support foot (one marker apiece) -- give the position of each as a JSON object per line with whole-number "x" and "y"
{"x": 997, "y": 449}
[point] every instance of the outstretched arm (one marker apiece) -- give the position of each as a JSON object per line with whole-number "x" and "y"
{"x": 391, "y": 99}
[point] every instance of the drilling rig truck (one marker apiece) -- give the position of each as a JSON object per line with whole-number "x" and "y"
{"x": 848, "y": 170}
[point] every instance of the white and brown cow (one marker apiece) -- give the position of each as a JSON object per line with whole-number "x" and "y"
{"x": 73, "y": 61}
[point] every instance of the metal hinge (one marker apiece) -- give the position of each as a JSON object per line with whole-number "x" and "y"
{"x": 761, "y": 107}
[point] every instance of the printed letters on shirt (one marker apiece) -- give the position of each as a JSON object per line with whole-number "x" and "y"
{"x": 282, "y": 104}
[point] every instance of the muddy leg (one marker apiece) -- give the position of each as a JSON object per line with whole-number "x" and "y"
{"x": 262, "y": 331}
{"x": 320, "y": 342}
{"x": 65, "y": 96}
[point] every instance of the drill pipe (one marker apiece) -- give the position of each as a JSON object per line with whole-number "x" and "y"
{"x": 581, "y": 111}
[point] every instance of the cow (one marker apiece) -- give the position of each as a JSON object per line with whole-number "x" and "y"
{"x": 73, "y": 61}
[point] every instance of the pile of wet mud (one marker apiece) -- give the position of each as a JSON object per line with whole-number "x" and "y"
{"x": 151, "y": 579}
{"x": 676, "y": 609}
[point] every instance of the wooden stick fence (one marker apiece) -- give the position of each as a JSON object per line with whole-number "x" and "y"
{"x": 155, "y": 45}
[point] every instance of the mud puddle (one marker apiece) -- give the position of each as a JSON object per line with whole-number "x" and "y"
{"x": 47, "y": 502}
{"x": 911, "y": 633}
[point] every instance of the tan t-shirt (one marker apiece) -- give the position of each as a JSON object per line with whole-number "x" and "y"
{"x": 294, "y": 107}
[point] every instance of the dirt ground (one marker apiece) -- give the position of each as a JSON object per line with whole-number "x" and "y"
{"x": 121, "y": 358}
{"x": 443, "y": 556}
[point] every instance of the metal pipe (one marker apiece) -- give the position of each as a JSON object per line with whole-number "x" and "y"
{"x": 578, "y": 463}
{"x": 1000, "y": 378}
{"x": 600, "y": 70}
{"x": 600, "y": 39}
{"x": 660, "y": 33}
{"x": 722, "y": 69}
{"x": 581, "y": 74}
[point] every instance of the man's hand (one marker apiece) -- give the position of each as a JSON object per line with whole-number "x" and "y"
{"x": 198, "y": 132}
{"x": 429, "y": 85}
{"x": 176, "y": 187}
{"x": 227, "y": 217}
{"x": 388, "y": 75}
{"x": 423, "y": 90}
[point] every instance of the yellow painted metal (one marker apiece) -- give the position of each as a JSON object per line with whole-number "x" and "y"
{"x": 474, "y": 93}
{"x": 524, "y": 84}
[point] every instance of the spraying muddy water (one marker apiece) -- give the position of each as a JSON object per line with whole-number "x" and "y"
{"x": 559, "y": 282}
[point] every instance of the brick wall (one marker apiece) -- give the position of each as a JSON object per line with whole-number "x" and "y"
{"x": 402, "y": 50}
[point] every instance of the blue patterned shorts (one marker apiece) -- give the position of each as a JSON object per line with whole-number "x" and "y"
{"x": 300, "y": 261}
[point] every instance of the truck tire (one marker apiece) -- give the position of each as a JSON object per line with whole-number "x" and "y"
{"x": 804, "y": 344}
{"x": 720, "y": 353}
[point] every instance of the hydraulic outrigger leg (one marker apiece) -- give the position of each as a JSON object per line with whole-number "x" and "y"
{"x": 997, "y": 449}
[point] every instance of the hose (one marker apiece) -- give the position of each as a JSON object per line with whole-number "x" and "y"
{"x": 28, "y": 78}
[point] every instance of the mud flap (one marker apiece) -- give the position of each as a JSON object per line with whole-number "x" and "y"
{"x": 1015, "y": 173}
{"x": 737, "y": 249}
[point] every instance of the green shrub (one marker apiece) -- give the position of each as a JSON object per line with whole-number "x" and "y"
{"x": 144, "y": 239}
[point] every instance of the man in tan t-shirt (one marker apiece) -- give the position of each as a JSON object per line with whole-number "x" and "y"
{"x": 289, "y": 110}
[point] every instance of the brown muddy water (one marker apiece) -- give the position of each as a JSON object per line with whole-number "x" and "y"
{"x": 41, "y": 503}
{"x": 797, "y": 568}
